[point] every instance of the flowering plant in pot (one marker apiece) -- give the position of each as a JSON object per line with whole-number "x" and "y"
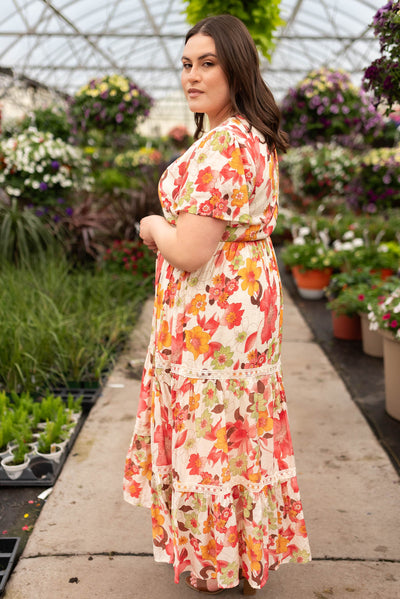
{"x": 312, "y": 261}
{"x": 113, "y": 104}
{"x": 384, "y": 316}
{"x": 326, "y": 106}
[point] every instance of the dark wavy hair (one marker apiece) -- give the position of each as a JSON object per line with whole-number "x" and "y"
{"x": 250, "y": 96}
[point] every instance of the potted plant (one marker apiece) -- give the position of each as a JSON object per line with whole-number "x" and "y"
{"x": 312, "y": 262}
{"x": 49, "y": 441}
{"x": 6, "y": 433}
{"x": 347, "y": 292}
{"x": 18, "y": 460}
{"x": 384, "y": 315}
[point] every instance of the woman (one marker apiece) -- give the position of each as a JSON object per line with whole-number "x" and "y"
{"x": 211, "y": 453}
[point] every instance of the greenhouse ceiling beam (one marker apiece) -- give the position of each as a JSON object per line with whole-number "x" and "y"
{"x": 149, "y": 69}
{"x": 82, "y": 35}
{"x": 311, "y": 38}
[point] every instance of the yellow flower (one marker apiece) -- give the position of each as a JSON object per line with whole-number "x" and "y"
{"x": 209, "y": 551}
{"x": 197, "y": 341}
{"x": 250, "y": 275}
{"x": 198, "y": 304}
{"x": 240, "y": 196}
{"x": 221, "y": 442}
{"x": 157, "y": 520}
{"x": 127, "y": 97}
{"x": 236, "y": 162}
{"x": 113, "y": 92}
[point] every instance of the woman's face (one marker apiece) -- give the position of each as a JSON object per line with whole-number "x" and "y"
{"x": 203, "y": 80}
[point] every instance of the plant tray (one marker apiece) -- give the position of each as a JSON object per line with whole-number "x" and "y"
{"x": 89, "y": 395}
{"x": 41, "y": 472}
{"x": 8, "y": 552}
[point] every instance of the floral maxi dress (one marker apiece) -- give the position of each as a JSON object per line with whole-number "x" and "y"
{"x": 211, "y": 453}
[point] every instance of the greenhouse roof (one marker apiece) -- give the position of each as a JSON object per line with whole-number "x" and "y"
{"x": 64, "y": 43}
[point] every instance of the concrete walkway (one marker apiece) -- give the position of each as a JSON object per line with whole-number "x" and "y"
{"x": 89, "y": 544}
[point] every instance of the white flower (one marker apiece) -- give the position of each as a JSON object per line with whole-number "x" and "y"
{"x": 358, "y": 242}
{"x": 337, "y": 245}
{"x": 304, "y": 231}
{"x": 347, "y": 246}
{"x": 299, "y": 241}
{"x": 383, "y": 248}
{"x": 348, "y": 235}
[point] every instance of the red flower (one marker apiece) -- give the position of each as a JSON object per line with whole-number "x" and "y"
{"x": 233, "y": 316}
{"x": 194, "y": 464}
{"x": 206, "y": 179}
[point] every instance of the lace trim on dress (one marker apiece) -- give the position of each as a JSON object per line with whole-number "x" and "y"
{"x": 193, "y": 373}
{"x": 227, "y": 488}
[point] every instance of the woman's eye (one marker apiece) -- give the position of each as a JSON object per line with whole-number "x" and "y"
{"x": 208, "y": 64}
{"x": 186, "y": 66}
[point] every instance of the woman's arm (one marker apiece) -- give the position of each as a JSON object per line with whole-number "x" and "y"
{"x": 187, "y": 246}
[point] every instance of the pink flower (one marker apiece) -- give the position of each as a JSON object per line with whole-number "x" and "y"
{"x": 394, "y": 324}
{"x": 386, "y": 316}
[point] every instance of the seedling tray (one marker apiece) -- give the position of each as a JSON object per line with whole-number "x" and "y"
{"x": 8, "y": 552}
{"x": 89, "y": 395}
{"x": 41, "y": 472}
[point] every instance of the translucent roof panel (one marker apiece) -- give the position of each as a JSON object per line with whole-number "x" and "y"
{"x": 64, "y": 43}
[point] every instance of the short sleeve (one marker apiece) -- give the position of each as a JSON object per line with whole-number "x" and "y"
{"x": 217, "y": 179}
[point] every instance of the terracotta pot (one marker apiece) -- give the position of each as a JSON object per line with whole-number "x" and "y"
{"x": 372, "y": 341}
{"x": 391, "y": 365}
{"x": 346, "y": 327}
{"x": 384, "y": 273}
{"x": 311, "y": 283}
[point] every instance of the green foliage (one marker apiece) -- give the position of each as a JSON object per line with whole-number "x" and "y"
{"x": 52, "y": 119}
{"x": 59, "y": 325}
{"x": 110, "y": 179}
{"x": 24, "y": 237}
{"x": 261, "y": 17}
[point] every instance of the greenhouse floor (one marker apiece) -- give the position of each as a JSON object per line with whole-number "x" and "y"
{"x": 89, "y": 543}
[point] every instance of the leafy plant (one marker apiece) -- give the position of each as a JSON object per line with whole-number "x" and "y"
{"x": 51, "y": 435}
{"x": 24, "y": 237}
{"x": 50, "y": 118}
{"x": 261, "y": 17}
{"x": 6, "y": 430}
{"x": 59, "y": 325}
{"x": 19, "y": 452}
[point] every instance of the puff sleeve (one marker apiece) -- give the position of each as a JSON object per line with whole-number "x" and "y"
{"x": 217, "y": 179}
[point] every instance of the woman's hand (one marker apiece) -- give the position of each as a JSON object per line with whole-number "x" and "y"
{"x": 147, "y": 225}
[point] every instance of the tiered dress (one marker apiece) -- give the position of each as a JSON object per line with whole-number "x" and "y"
{"x": 211, "y": 453}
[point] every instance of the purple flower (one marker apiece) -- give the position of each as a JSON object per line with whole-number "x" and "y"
{"x": 43, "y": 186}
{"x": 69, "y": 211}
{"x": 55, "y": 164}
{"x": 39, "y": 212}
{"x": 60, "y": 200}
{"x": 56, "y": 218}
{"x": 119, "y": 117}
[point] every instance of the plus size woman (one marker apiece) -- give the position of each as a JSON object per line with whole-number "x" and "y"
{"x": 211, "y": 453}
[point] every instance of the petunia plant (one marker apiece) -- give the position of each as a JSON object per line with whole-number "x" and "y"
{"x": 382, "y": 76}
{"x": 113, "y": 104}
{"x": 42, "y": 170}
{"x": 326, "y": 106}
{"x": 385, "y": 313}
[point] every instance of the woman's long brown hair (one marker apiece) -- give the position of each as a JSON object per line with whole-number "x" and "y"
{"x": 250, "y": 96}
